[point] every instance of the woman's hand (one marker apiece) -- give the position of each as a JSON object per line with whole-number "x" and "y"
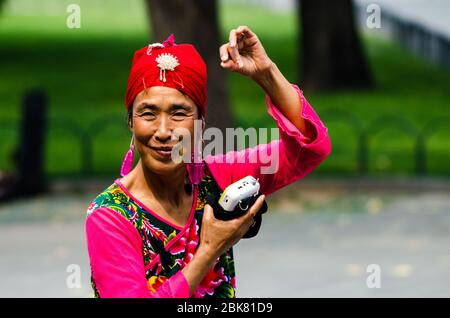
{"x": 218, "y": 236}
{"x": 244, "y": 54}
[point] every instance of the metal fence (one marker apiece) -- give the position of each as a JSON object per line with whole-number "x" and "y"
{"x": 364, "y": 133}
{"x": 430, "y": 44}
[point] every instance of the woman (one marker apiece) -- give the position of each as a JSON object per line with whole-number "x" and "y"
{"x": 150, "y": 235}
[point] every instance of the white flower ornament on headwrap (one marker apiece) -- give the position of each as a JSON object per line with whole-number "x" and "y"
{"x": 166, "y": 62}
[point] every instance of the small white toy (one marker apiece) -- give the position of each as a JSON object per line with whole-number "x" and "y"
{"x": 235, "y": 193}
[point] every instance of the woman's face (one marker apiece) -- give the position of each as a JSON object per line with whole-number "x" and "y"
{"x": 156, "y": 113}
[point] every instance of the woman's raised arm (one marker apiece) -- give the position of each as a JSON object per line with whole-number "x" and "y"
{"x": 304, "y": 142}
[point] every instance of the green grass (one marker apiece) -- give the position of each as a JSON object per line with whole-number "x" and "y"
{"x": 85, "y": 72}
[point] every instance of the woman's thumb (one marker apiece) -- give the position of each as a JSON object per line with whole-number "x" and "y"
{"x": 256, "y": 206}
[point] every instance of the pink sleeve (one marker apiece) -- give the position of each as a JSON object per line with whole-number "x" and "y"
{"x": 115, "y": 252}
{"x": 295, "y": 155}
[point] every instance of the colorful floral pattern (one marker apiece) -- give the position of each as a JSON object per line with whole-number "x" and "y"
{"x": 165, "y": 252}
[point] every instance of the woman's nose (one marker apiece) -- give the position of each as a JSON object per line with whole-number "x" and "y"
{"x": 163, "y": 133}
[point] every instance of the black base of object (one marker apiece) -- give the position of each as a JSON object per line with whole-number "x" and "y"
{"x": 241, "y": 209}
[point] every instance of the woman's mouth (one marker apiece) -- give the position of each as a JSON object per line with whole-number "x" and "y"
{"x": 165, "y": 152}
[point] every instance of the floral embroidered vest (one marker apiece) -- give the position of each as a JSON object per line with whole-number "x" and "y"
{"x": 167, "y": 249}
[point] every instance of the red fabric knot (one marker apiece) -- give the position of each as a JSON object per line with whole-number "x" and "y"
{"x": 170, "y": 41}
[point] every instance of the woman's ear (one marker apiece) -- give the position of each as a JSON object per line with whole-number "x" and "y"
{"x": 130, "y": 119}
{"x": 200, "y": 116}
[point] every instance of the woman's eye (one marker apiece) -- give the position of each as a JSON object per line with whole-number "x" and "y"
{"x": 179, "y": 114}
{"x": 148, "y": 115}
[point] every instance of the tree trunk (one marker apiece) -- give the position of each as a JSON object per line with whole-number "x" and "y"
{"x": 195, "y": 22}
{"x": 2, "y": 4}
{"x": 332, "y": 55}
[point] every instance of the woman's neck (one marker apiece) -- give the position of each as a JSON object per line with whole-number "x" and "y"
{"x": 164, "y": 188}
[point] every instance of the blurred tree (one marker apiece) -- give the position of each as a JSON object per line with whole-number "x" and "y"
{"x": 332, "y": 55}
{"x": 2, "y": 4}
{"x": 196, "y": 22}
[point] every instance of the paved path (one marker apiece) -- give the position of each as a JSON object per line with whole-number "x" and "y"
{"x": 316, "y": 241}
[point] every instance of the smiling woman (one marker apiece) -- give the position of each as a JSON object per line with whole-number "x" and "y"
{"x": 151, "y": 233}
{"x": 156, "y": 113}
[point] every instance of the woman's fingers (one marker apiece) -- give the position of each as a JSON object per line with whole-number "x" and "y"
{"x": 233, "y": 48}
{"x": 248, "y": 218}
{"x": 226, "y": 62}
{"x": 245, "y": 31}
{"x": 223, "y": 52}
{"x": 229, "y": 53}
{"x": 208, "y": 212}
{"x": 238, "y": 39}
{"x": 255, "y": 207}
{"x": 232, "y": 39}
{"x": 230, "y": 65}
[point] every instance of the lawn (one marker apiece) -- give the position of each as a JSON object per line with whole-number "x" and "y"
{"x": 85, "y": 71}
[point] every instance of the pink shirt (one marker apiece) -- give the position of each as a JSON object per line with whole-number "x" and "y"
{"x": 115, "y": 247}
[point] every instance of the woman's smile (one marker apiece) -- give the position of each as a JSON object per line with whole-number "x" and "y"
{"x": 165, "y": 152}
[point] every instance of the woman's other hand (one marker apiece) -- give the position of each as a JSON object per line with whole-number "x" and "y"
{"x": 218, "y": 236}
{"x": 244, "y": 53}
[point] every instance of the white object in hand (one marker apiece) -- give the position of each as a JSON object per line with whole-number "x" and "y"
{"x": 238, "y": 191}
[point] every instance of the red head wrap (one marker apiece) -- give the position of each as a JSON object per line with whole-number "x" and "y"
{"x": 178, "y": 66}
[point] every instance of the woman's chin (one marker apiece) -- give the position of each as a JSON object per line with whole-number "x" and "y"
{"x": 162, "y": 167}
